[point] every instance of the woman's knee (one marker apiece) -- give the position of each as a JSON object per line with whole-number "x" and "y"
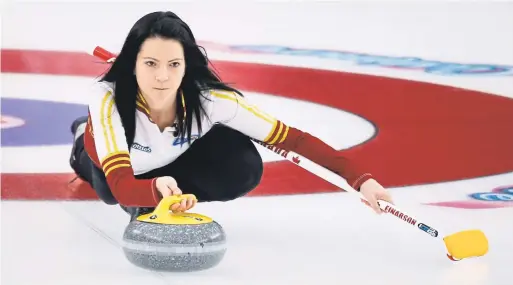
{"x": 244, "y": 177}
{"x": 253, "y": 168}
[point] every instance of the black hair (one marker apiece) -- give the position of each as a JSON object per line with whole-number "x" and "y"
{"x": 198, "y": 75}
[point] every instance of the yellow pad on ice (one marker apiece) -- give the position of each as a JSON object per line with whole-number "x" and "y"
{"x": 466, "y": 244}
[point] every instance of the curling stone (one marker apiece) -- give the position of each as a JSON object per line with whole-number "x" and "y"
{"x": 174, "y": 242}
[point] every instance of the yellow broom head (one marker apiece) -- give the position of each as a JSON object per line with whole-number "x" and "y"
{"x": 465, "y": 244}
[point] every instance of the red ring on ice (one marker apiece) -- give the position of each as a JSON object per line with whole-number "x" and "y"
{"x": 426, "y": 133}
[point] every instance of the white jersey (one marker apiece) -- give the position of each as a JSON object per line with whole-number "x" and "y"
{"x": 152, "y": 148}
{"x": 105, "y": 141}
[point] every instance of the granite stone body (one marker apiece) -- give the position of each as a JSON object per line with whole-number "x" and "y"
{"x": 179, "y": 248}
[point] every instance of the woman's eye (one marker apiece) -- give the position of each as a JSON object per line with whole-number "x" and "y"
{"x": 175, "y": 64}
{"x": 150, "y": 63}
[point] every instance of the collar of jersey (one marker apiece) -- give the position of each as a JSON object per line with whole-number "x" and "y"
{"x": 142, "y": 106}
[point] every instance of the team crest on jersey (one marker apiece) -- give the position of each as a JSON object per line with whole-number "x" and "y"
{"x": 140, "y": 147}
{"x": 179, "y": 141}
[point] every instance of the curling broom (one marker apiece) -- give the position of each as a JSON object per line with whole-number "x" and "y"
{"x": 460, "y": 245}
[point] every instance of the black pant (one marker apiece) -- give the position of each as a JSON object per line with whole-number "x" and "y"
{"x": 222, "y": 165}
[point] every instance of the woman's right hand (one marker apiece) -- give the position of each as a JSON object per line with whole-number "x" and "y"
{"x": 167, "y": 186}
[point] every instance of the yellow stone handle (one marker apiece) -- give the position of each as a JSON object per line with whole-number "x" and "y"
{"x": 165, "y": 204}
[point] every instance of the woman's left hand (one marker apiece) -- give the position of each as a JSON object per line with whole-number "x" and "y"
{"x": 373, "y": 191}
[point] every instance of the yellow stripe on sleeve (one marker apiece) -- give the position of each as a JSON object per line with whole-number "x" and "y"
{"x": 277, "y": 136}
{"x": 115, "y": 167}
{"x": 105, "y": 99}
{"x": 106, "y": 123}
{"x": 114, "y": 161}
{"x": 271, "y": 132}
{"x": 253, "y": 109}
{"x": 110, "y": 155}
{"x": 284, "y": 134}
{"x": 111, "y": 128}
{"x": 106, "y": 165}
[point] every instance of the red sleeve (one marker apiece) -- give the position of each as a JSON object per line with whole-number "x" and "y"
{"x": 321, "y": 153}
{"x": 128, "y": 190}
{"x": 119, "y": 174}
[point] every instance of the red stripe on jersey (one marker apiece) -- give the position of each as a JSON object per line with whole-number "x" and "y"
{"x": 278, "y": 133}
{"x": 115, "y": 161}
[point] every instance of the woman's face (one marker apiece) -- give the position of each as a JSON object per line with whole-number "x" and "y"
{"x": 159, "y": 69}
